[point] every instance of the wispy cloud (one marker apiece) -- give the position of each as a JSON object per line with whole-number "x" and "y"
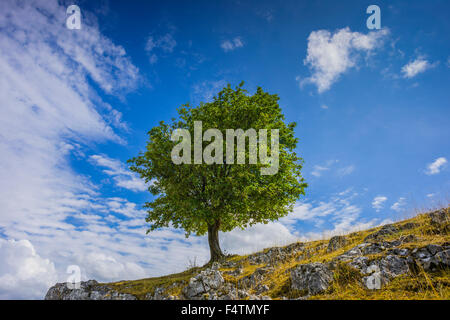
{"x": 399, "y": 205}
{"x": 318, "y": 170}
{"x": 121, "y": 175}
{"x": 345, "y": 170}
{"x": 378, "y": 203}
{"x": 436, "y": 166}
{"x": 205, "y": 91}
{"x": 329, "y": 55}
{"x": 416, "y": 67}
{"x": 266, "y": 14}
{"x": 50, "y": 110}
{"x": 338, "y": 211}
{"x": 230, "y": 45}
{"x": 155, "y": 45}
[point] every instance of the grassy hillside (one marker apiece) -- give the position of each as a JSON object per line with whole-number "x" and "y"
{"x": 269, "y": 271}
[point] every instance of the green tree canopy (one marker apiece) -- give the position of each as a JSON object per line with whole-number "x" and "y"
{"x": 208, "y": 198}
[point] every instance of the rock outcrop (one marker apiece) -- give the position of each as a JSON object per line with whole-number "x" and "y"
{"x": 88, "y": 290}
{"x": 304, "y": 270}
{"x": 312, "y": 278}
{"x": 204, "y": 284}
{"x": 336, "y": 242}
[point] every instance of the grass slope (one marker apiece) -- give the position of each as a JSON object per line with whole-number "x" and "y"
{"x": 346, "y": 284}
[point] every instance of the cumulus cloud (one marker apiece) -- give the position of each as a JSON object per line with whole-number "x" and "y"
{"x": 257, "y": 237}
{"x": 415, "y": 67}
{"x": 121, "y": 175}
{"x": 230, "y": 45}
{"x": 378, "y": 202}
{"x": 49, "y": 111}
{"x": 102, "y": 267}
{"x": 329, "y": 55}
{"x": 436, "y": 166}
{"x": 23, "y": 273}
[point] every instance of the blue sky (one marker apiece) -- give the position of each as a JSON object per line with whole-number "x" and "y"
{"x": 372, "y": 108}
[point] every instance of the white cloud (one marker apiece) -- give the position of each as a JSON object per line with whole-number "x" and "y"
{"x": 399, "y": 205}
{"x": 230, "y": 45}
{"x": 306, "y": 211}
{"x": 339, "y": 212}
{"x": 206, "y": 90}
{"x": 267, "y": 14}
{"x": 102, "y": 267}
{"x": 329, "y": 55}
{"x": 436, "y": 166}
{"x": 345, "y": 170}
{"x": 317, "y": 170}
{"x": 23, "y": 273}
{"x": 256, "y": 238}
{"x": 415, "y": 67}
{"x": 378, "y": 202}
{"x": 164, "y": 44}
{"x": 50, "y": 111}
{"x": 324, "y": 106}
{"x": 121, "y": 175}
{"x": 49, "y": 108}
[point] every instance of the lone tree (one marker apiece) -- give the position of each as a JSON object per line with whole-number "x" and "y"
{"x": 220, "y": 196}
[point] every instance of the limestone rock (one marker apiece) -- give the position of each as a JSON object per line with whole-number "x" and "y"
{"x": 205, "y": 282}
{"x": 432, "y": 257}
{"x": 356, "y": 251}
{"x": 312, "y": 278}
{"x": 88, "y": 290}
{"x": 336, "y": 242}
{"x": 387, "y": 229}
{"x": 439, "y": 217}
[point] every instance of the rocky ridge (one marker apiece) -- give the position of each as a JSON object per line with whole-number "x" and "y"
{"x": 367, "y": 262}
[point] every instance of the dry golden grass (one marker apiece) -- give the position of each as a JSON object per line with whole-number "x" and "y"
{"x": 347, "y": 281}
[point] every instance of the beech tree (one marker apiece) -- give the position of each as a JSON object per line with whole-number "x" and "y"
{"x": 205, "y": 198}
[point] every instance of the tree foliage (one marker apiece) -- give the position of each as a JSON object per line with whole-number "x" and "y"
{"x": 201, "y": 198}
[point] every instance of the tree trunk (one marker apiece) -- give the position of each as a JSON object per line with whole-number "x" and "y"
{"x": 213, "y": 240}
